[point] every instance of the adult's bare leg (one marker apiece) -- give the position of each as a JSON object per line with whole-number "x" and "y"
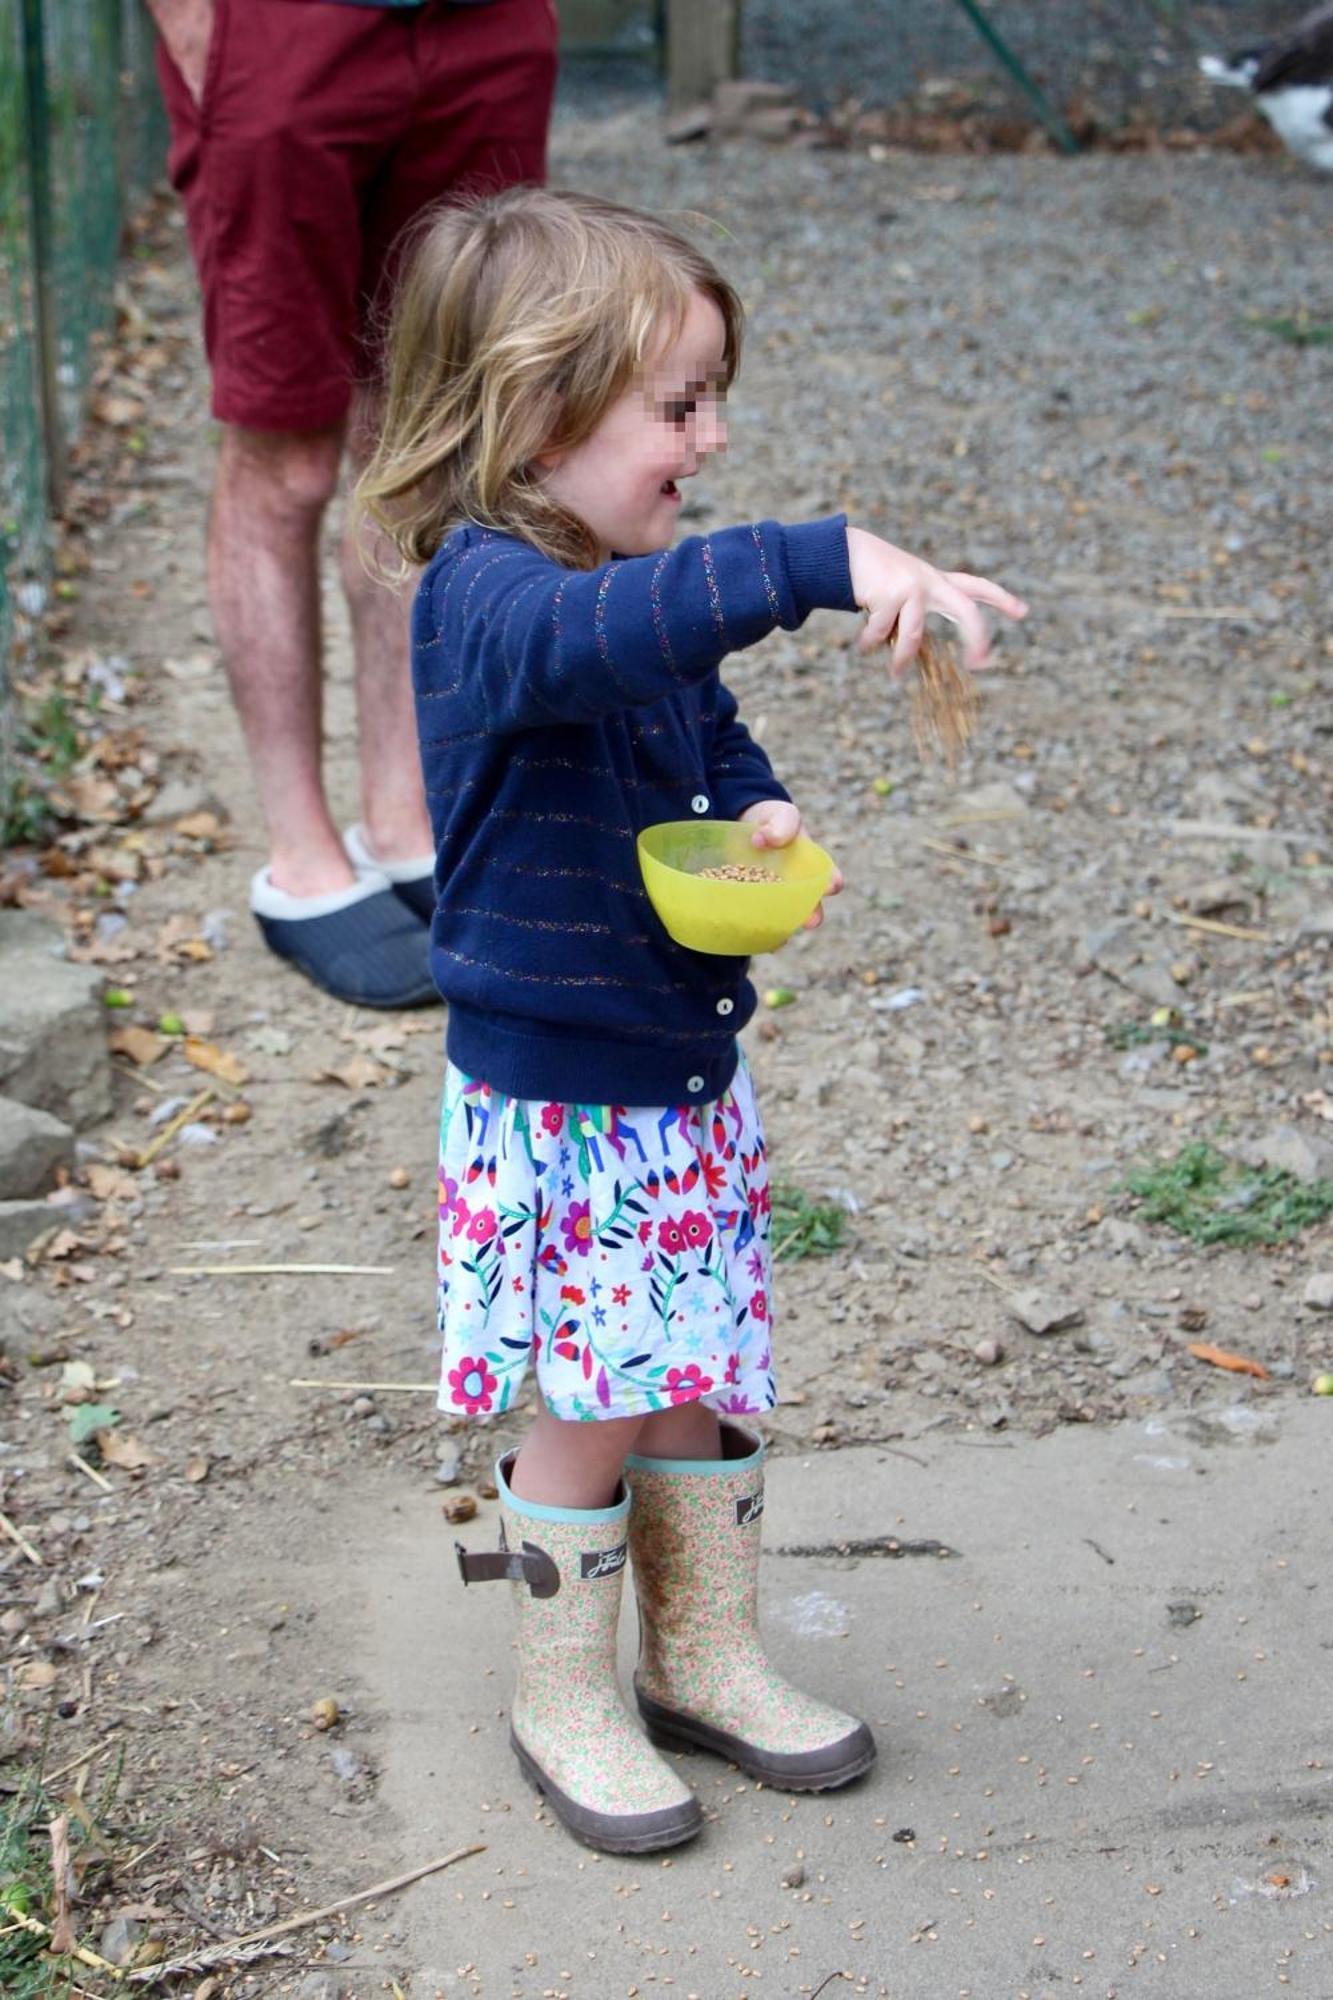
{"x": 271, "y": 490}
{"x": 394, "y": 819}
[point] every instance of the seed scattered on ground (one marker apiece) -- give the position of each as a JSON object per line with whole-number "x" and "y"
{"x": 945, "y": 705}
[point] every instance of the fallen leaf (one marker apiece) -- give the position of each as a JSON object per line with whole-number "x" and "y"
{"x": 77, "y": 1381}
{"x": 88, "y": 797}
{"x": 358, "y": 1074}
{"x": 40, "y": 1674}
{"x": 199, "y": 825}
{"x": 88, "y": 1419}
{"x": 380, "y": 1039}
{"x": 65, "y": 1244}
{"x": 142, "y": 1045}
{"x": 1218, "y": 1357}
{"x": 119, "y": 411}
{"x": 174, "y": 939}
{"x": 111, "y": 1183}
{"x": 124, "y": 1451}
{"x": 218, "y": 1062}
{"x": 104, "y": 951}
{"x": 197, "y": 1469}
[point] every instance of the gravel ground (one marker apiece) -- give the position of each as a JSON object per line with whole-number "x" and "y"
{"x": 1045, "y": 370}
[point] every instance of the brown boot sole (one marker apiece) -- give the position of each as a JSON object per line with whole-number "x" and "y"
{"x": 613, "y": 1833}
{"x": 801, "y": 1771}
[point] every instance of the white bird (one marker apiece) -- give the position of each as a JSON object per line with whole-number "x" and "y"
{"x": 1290, "y": 77}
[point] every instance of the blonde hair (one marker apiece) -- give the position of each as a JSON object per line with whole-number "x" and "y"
{"x": 521, "y": 318}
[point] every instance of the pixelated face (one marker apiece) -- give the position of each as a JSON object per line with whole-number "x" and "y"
{"x": 624, "y": 481}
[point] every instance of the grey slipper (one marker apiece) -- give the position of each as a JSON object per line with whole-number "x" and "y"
{"x": 361, "y": 945}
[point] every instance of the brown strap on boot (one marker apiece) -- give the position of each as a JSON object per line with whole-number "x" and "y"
{"x": 531, "y": 1566}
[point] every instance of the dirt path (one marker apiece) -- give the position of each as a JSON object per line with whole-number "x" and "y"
{"x": 1052, "y": 371}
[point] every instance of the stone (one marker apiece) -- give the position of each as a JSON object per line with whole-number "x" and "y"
{"x": 320, "y": 1986}
{"x": 738, "y": 99}
{"x": 53, "y": 1049}
{"x": 1117, "y": 950}
{"x": 1293, "y": 1152}
{"x": 1044, "y": 1312}
{"x": 21, "y": 1223}
{"x": 997, "y": 800}
{"x": 120, "y": 1940}
{"x": 1318, "y": 1292}
{"x": 28, "y": 1317}
{"x": 33, "y": 1145}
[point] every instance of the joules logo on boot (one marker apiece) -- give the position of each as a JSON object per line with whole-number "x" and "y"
{"x": 749, "y": 1509}
{"x": 606, "y": 1563}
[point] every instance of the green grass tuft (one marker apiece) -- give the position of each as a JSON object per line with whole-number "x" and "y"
{"x": 1202, "y": 1194}
{"x": 1297, "y": 329}
{"x": 27, "y": 1971}
{"x": 802, "y": 1227}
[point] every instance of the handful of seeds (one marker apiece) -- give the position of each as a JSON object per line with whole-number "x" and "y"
{"x": 945, "y": 704}
{"x": 738, "y": 871}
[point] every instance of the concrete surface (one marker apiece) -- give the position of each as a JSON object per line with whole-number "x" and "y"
{"x": 1106, "y": 1764}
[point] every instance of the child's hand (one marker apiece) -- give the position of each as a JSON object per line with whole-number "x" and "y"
{"x": 894, "y": 588}
{"x": 776, "y": 823}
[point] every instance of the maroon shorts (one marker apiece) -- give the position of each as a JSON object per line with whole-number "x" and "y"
{"x": 322, "y": 129}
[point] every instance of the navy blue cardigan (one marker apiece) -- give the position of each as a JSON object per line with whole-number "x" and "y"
{"x": 559, "y": 712}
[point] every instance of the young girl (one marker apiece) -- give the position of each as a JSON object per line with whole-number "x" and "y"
{"x": 558, "y": 367}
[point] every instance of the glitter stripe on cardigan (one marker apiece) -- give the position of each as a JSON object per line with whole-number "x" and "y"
{"x": 560, "y": 712}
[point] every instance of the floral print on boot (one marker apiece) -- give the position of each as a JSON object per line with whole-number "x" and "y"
{"x": 570, "y": 1730}
{"x": 703, "y": 1678}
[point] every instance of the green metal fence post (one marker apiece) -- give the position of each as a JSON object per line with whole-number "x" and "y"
{"x": 1026, "y": 82}
{"x": 43, "y": 260}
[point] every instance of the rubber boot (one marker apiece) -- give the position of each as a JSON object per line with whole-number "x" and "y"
{"x": 573, "y": 1736}
{"x": 703, "y": 1678}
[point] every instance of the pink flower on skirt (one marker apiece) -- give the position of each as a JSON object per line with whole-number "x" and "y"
{"x": 695, "y": 1228}
{"x": 483, "y": 1225}
{"x": 759, "y": 1305}
{"x": 577, "y": 1225}
{"x": 553, "y": 1117}
{"x": 686, "y": 1385}
{"x": 670, "y": 1237}
{"x": 472, "y": 1384}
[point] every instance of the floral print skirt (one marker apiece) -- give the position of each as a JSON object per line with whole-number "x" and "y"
{"x": 622, "y": 1252}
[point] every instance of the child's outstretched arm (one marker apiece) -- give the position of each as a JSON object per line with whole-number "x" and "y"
{"x": 897, "y": 589}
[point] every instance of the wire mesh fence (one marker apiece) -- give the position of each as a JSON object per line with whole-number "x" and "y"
{"x": 81, "y": 137}
{"x": 1128, "y": 58}
{"x": 1114, "y": 61}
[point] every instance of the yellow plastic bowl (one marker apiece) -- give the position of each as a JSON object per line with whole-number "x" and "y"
{"x": 733, "y": 919}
